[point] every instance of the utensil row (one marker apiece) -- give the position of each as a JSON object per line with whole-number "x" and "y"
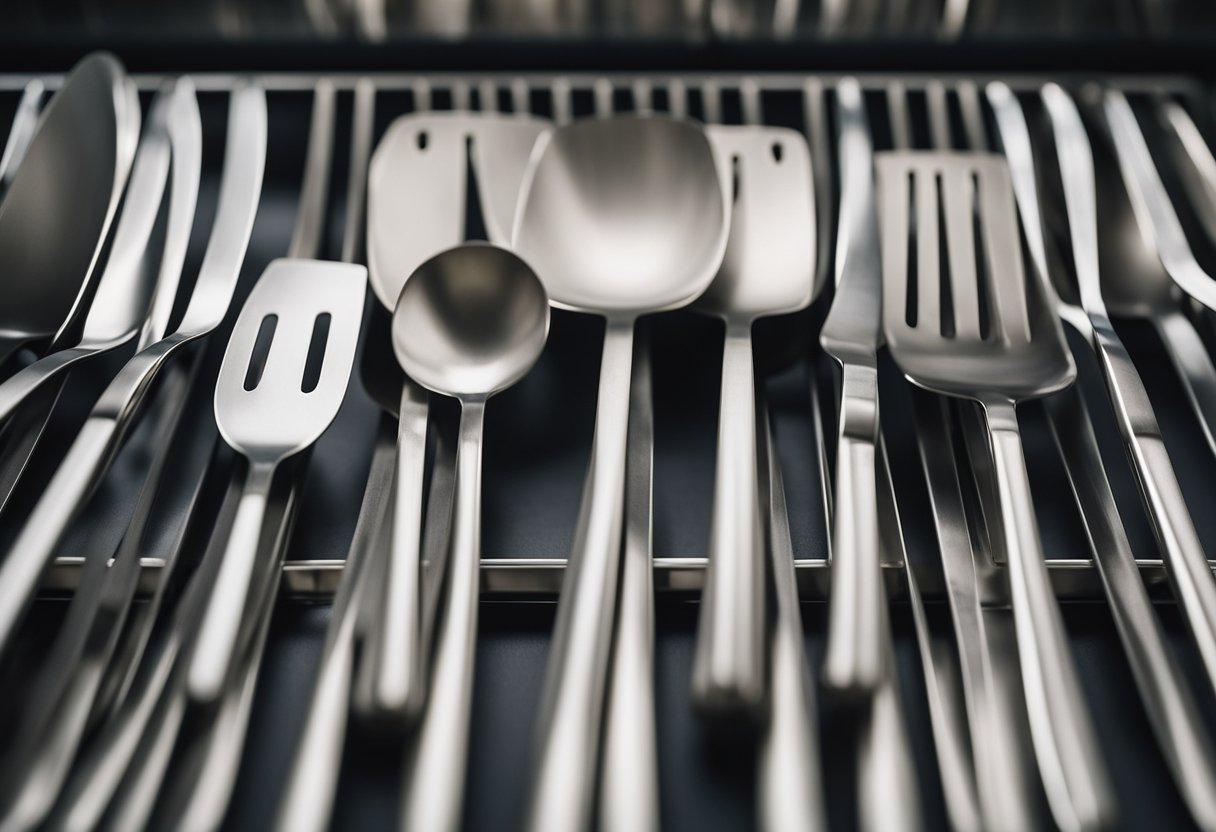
{"x": 950, "y": 206}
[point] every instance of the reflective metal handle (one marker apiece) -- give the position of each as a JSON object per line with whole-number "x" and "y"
{"x": 398, "y": 683}
{"x": 1194, "y": 365}
{"x": 854, "y": 661}
{"x": 629, "y": 781}
{"x": 217, "y": 638}
{"x": 22, "y": 384}
{"x": 1073, "y": 772}
{"x": 728, "y": 668}
{"x": 35, "y": 546}
{"x": 571, "y": 713}
{"x": 435, "y": 767}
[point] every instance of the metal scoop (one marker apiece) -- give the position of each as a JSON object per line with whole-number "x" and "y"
{"x": 470, "y": 322}
{"x": 620, "y": 217}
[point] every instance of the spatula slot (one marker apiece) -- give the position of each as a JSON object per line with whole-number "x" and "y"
{"x": 910, "y": 305}
{"x": 316, "y": 352}
{"x": 944, "y": 287}
{"x": 982, "y": 272}
{"x": 261, "y": 350}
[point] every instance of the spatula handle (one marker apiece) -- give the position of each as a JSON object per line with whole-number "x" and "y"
{"x": 217, "y": 638}
{"x": 728, "y": 668}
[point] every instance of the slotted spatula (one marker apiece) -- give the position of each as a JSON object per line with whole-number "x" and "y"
{"x": 961, "y": 320}
{"x": 311, "y": 312}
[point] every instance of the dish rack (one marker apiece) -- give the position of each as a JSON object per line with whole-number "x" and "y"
{"x": 539, "y": 434}
{"x": 529, "y": 522}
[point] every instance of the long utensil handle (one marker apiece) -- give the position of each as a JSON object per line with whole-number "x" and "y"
{"x": 22, "y": 384}
{"x": 35, "y": 545}
{"x": 629, "y": 780}
{"x": 399, "y": 661}
{"x": 1189, "y": 571}
{"x": 571, "y": 712}
{"x": 789, "y": 781}
{"x": 1184, "y": 740}
{"x": 1070, "y": 762}
{"x": 306, "y": 803}
{"x": 728, "y": 668}
{"x": 212, "y": 657}
{"x": 435, "y": 767}
{"x": 1194, "y": 366}
{"x": 854, "y": 659}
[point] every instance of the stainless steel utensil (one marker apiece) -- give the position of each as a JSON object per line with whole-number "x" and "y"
{"x": 621, "y": 217}
{"x": 470, "y": 323}
{"x": 1172, "y": 710}
{"x": 768, "y": 269}
{"x": 156, "y": 705}
{"x": 1155, "y": 262}
{"x": 416, "y": 208}
{"x": 1020, "y": 354}
{"x": 21, "y": 133}
{"x": 123, "y": 295}
{"x": 789, "y": 776}
{"x": 956, "y": 759}
{"x": 628, "y": 794}
{"x": 65, "y": 182}
{"x": 851, "y": 335}
{"x": 273, "y": 412}
{"x": 69, "y": 679}
{"x": 126, "y": 285}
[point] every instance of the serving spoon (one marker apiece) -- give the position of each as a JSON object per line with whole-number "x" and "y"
{"x": 65, "y": 183}
{"x": 470, "y": 322}
{"x": 622, "y": 217}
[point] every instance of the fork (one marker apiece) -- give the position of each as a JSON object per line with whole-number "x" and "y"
{"x": 934, "y": 319}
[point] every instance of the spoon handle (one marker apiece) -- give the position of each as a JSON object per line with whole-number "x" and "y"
{"x": 562, "y": 790}
{"x": 728, "y": 668}
{"x": 1194, "y": 366}
{"x": 398, "y": 681}
{"x": 1074, "y": 774}
{"x": 435, "y": 767}
{"x": 74, "y": 479}
{"x": 21, "y": 385}
{"x": 629, "y": 781}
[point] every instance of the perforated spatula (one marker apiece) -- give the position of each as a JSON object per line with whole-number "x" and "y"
{"x": 310, "y": 312}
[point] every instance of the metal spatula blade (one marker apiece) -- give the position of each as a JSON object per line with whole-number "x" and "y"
{"x": 268, "y": 409}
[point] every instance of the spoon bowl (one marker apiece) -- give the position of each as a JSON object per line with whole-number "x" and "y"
{"x": 624, "y": 216}
{"x": 470, "y": 321}
{"x": 62, "y": 199}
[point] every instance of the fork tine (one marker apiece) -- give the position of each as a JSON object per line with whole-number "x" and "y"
{"x": 928, "y": 253}
{"x": 1003, "y": 250}
{"x": 957, "y": 201}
